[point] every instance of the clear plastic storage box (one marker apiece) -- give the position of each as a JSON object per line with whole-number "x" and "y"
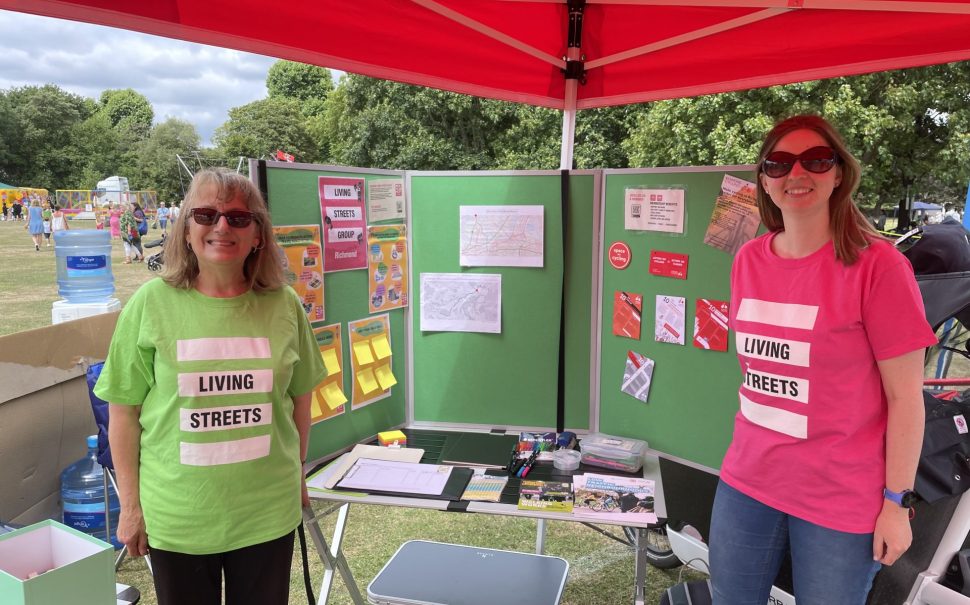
{"x": 610, "y": 451}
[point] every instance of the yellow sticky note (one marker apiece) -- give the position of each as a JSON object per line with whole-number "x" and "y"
{"x": 385, "y": 376}
{"x": 331, "y": 361}
{"x": 366, "y": 380}
{"x": 381, "y": 347}
{"x": 333, "y": 396}
{"x": 315, "y": 410}
{"x": 362, "y": 351}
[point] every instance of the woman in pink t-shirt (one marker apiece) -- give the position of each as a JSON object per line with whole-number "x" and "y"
{"x": 830, "y": 335}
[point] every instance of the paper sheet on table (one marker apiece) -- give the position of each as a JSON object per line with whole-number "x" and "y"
{"x": 329, "y": 477}
{"x": 334, "y": 396}
{"x": 390, "y": 476}
{"x": 362, "y": 351}
{"x": 367, "y": 381}
{"x": 382, "y": 348}
{"x": 331, "y": 361}
{"x": 385, "y": 377}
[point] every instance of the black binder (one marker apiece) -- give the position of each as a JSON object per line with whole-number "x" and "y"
{"x": 454, "y": 488}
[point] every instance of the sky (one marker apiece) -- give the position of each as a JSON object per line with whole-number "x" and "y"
{"x": 192, "y": 82}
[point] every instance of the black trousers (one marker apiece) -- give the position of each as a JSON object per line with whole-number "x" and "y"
{"x": 255, "y": 575}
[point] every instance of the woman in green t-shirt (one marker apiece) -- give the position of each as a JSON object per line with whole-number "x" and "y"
{"x": 209, "y": 376}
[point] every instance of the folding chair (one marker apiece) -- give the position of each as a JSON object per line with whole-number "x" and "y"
{"x": 100, "y": 409}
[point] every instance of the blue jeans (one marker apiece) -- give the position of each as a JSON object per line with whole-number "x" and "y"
{"x": 749, "y": 541}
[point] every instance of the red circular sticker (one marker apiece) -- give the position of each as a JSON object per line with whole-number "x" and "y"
{"x": 619, "y": 255}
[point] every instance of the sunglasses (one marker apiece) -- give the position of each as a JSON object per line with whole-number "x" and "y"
{"x": 817, "y": 159}
{"x": 237, "y": 219}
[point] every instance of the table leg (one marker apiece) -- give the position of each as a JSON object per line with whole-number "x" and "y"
{"x": 641, "y": 566}
{"x": 332, "y": 556}
{"x": 540, "y": 536}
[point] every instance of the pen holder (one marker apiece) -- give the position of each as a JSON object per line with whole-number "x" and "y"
{"x": 566, "y": 460}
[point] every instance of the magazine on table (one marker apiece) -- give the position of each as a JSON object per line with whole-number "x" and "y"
{"x": 550, "y": 496}
{"x": 609, "y": 497}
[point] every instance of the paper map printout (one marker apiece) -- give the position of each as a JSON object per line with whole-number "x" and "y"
{"x": 627, "y": 309}
{"x": 461, "y": 302}
{"x": 637, "y": 376}
{"x": 711, "y": 324}
{"x": 328, "y": 397}
{"x": 654, "y": 210}
{"x": 670, "y": 313}
{"x": 385, "y": 200}
{"x": 342, "y": 209}
{"x": 735, "y": 219}
{"x": 370, "y": 359}
{"x": 387, "y": 268}
{"x": 302, "y": 258}
{"x": 501, "y": 236}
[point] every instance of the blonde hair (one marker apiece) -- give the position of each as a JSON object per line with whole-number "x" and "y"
{"x": 263, "y": 268}
{"x": 851, "y": 230}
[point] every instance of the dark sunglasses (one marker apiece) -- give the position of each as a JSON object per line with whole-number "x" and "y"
{"x": 238, "y": 219}
{"x": 817, "y": 159}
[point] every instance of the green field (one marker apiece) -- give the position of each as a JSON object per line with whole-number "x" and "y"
{"x": 601, "y": 569}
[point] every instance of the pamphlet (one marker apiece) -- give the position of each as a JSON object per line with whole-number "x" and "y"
{"x": 550, "y": 496}
{"x": 611, "y": 497}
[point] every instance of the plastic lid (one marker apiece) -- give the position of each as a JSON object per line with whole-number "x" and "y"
{"x": 92, "y": 441}
{"x": 566, "y": 460}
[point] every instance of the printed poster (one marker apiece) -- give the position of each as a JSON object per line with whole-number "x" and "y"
{"x": 668, "y": 264}
{"x": 328, "y": 396}
{"x": 711, "y": 324}
{"x": 461, "y": 302}
{"x": 385, "y": 200}
{"x": 501, "y": 236}
{"x": 387, "y": 268}
{"x": 370, "y": 359}
{"x": 735, "y": 219}
{"x": 669, "y": 325}
{"x": 627, "y": 310}
{"x": 660, "y": 210}
{"x": 303, "y": 264}
{"x": 637, "y": 376}
{"x": 342, "y": 209}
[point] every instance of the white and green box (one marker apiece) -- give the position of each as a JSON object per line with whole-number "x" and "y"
{"x": 74, "y": 567}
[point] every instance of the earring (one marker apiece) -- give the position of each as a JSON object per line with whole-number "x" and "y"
{"x": 188, "y": 245}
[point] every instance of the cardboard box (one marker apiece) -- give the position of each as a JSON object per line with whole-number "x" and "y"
{"x": 76, "y": 568}
{"x": 45, "y": 413}
{"x": 63, "y": 311}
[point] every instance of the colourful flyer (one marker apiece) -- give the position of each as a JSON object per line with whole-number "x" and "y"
{"x": 342, "y": 209}
{"x": 711, "y": 324}
{"x": 387, "y": 268}
{"x": 371, "y": 360}
{"x": 627, "y": 309}
{"x": 668, "y": 264}
{"x": 303, "y": 263}
{"x": 669, "y": 326}
{"x": 328, "y": 396}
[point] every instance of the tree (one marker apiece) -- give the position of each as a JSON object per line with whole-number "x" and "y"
{"x": 259, "y": 128}
{"x": 157, "y": 166}
{"x": 129, "y": 112}
{"x": 309, "y": 84}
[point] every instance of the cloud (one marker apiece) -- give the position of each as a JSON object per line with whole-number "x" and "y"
{"x": 192, "y": 82}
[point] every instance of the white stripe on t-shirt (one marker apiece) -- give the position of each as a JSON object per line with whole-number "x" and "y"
{"x": 776, "y": 385}
{"x": 776, "y": 419}
{"x": 224, "y": 452}
{"x": 203, "y": 420}
{"x": 779, "y": 350}
{"x": 206, "y": 384}
{"x": 205, "y": 349}
{"x": 784, "y": 315}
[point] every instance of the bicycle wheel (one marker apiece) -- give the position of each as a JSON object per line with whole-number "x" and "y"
{"x": 658, "y": 549}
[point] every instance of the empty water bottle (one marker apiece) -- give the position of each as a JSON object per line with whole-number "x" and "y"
{"x": 84, "y": 265}
{"x": 82, "y": 496}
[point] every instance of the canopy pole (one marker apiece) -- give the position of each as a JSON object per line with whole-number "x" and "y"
{"x": 575, "y": 74}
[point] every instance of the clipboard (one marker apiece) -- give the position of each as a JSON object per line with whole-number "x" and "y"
{"x": 452, "y": 490}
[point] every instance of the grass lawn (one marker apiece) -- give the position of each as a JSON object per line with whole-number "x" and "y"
{"x": 601, "y": 569}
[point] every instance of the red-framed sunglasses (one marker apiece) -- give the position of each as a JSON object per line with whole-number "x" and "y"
{"x": 237, "y": 219}
{"x": 818, "y": 160}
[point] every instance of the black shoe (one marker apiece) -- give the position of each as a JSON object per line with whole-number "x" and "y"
{"x": 37, "y": 247}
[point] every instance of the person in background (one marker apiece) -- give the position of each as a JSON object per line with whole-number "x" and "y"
{"x": 139, "y": 215}
{"x": 175, "y": 211}
{"x": 18, "y": 209}
{"x": 58, "y": 222}
{"x": 163, "y": 214}
{"x": 219, "y": 328}
{"x": 6, "y": 210}
{"x": 48, "y": 215}
{"x": 128, "y": 226}
{"x": 35, "y": 223}
{"x": 114, "y": 220}
{"x": 831, "y": 336}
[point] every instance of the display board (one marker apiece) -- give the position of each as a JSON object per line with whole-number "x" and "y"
{"x": 692, "y": 398}
{"x": 506, "y": 379}
{"x": 294, "y": 192}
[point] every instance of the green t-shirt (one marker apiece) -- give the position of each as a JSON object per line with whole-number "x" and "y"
{"x": 220, "y": 454}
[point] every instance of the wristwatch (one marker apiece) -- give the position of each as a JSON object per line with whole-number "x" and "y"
{"x": 905, "y": 499}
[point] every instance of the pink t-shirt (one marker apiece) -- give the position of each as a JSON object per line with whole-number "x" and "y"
{"x": 809, "y": 438}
